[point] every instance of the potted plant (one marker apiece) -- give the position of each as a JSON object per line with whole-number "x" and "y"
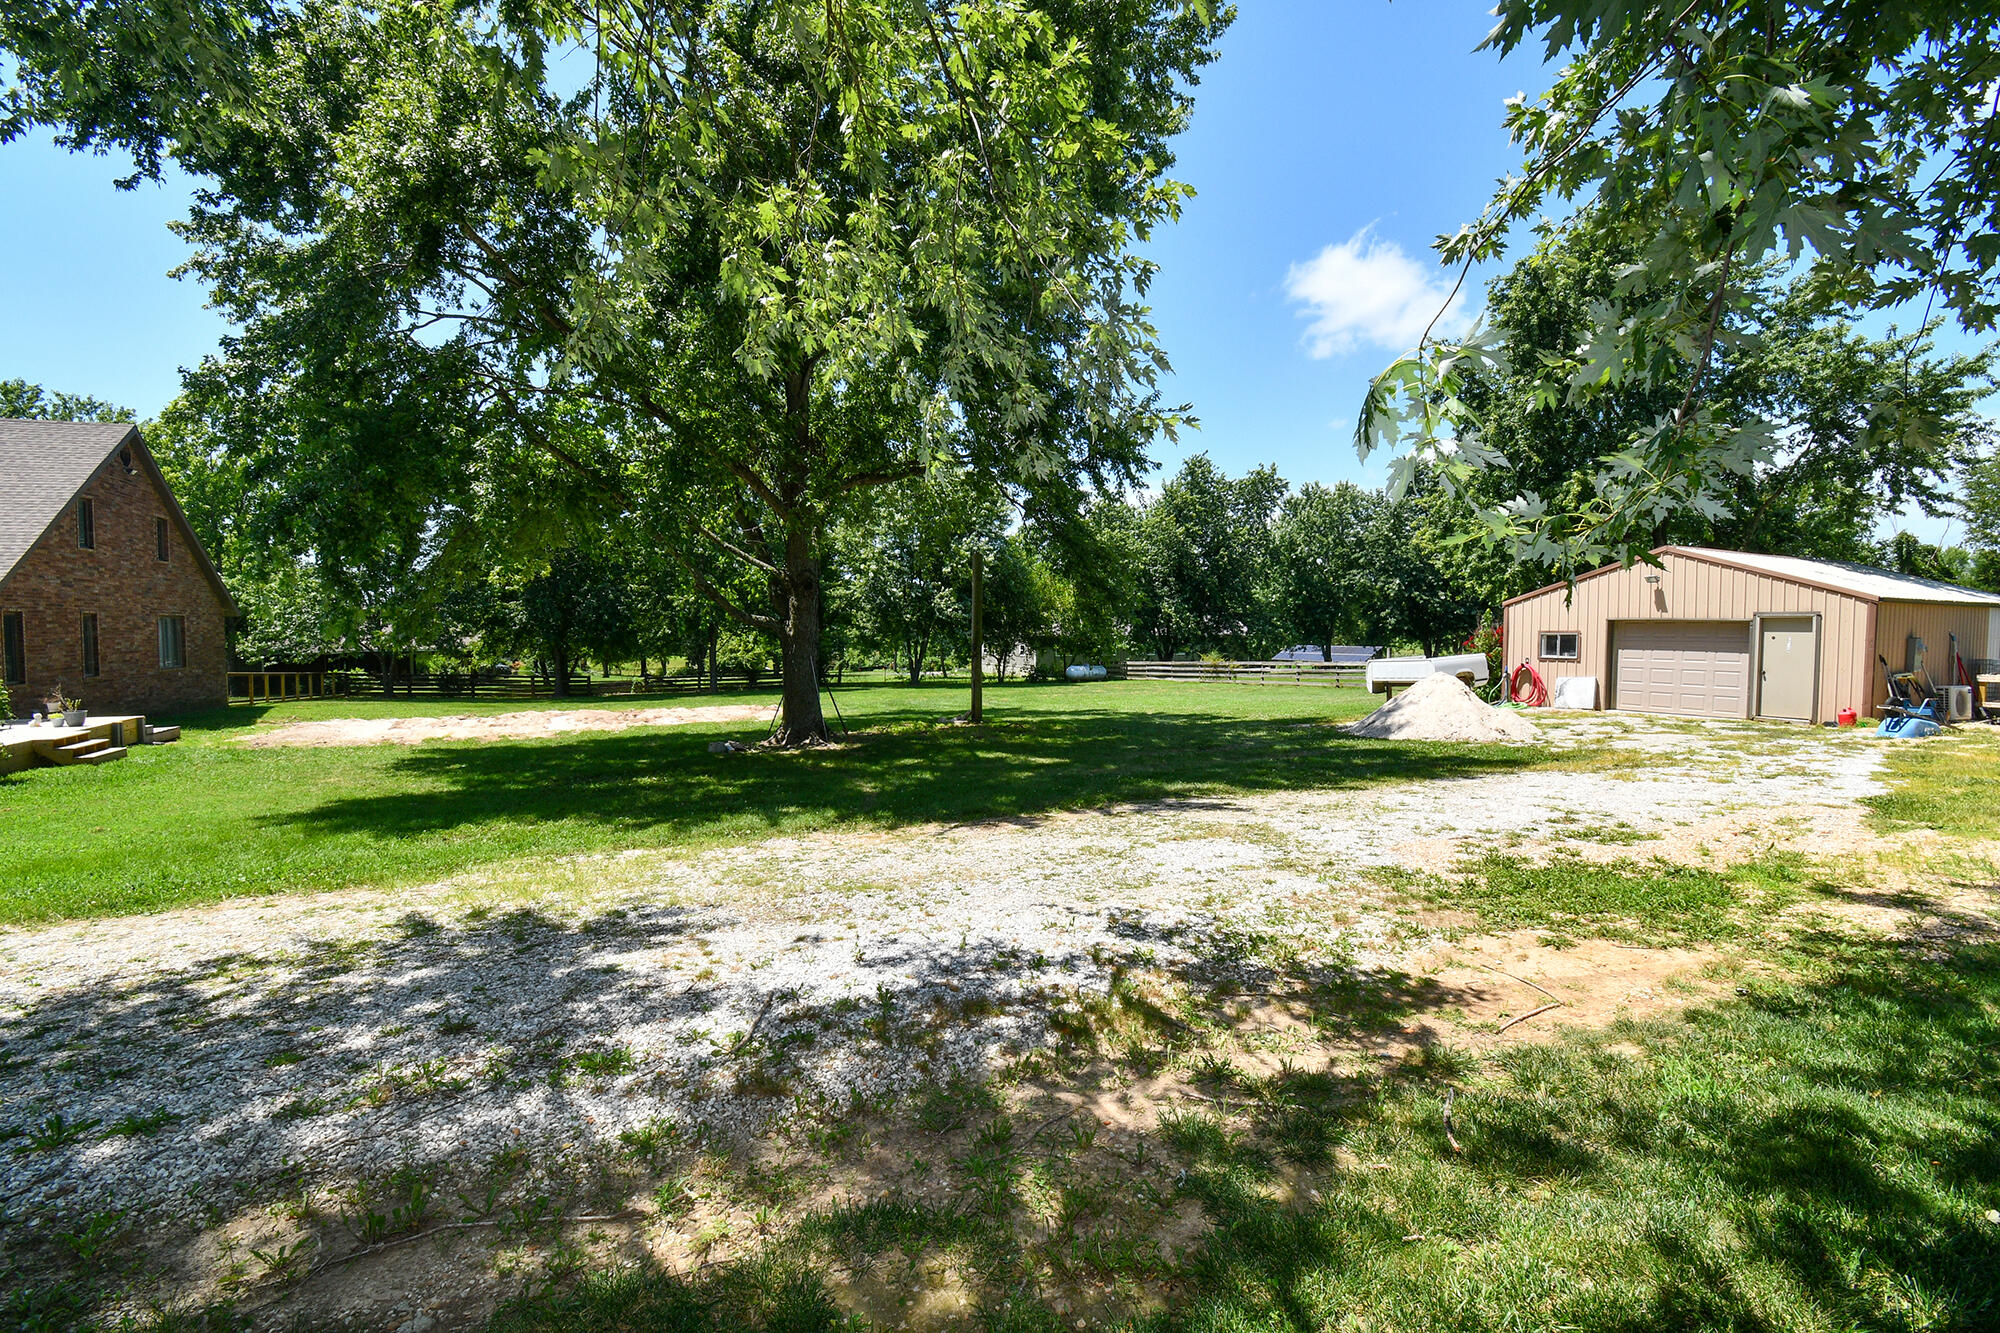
{"x": 71, "y": 709}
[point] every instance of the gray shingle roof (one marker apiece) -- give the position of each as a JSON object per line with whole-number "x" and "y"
{"x": 43, "y": 464}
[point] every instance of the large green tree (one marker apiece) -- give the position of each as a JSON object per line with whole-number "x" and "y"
{"x": 1202, "y": 547}
{"x": 1325, "y": 575}
{"x": 1857, "y": 426}
{"x": 781, "y": 251}
{"x": 1707, "y": 139}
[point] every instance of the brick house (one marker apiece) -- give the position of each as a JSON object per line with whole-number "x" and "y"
{"x": 104, "y": 591}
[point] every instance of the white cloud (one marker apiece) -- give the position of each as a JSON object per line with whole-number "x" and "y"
{"x": 1368, "y": 291}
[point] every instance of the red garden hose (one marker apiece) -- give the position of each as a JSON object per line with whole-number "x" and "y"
{"x": 1536, "y": 695}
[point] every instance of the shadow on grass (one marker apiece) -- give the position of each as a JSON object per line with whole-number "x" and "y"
{"x": 500, "y": 1074}
{"x": 1814, "y": 1152}
{"x": 1818, "y": 1153}
{"x": 903, "y": 770}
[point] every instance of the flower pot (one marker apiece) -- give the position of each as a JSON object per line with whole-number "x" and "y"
{"x": 74, "y": 717}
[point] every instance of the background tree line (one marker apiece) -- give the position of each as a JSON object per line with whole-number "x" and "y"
{"x": 1206, "y": 564}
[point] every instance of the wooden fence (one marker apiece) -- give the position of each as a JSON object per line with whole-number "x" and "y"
{"x": 1339, "y": 674}
{"x": 271, "y": 686}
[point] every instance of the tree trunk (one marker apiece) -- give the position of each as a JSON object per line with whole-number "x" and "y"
{"x": 714, "y": 656}
{"x": 559, "y": 685}
{"x": 803, "y": 722}
{"x": 978, "y": 649}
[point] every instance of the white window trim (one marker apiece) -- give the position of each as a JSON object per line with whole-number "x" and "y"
{"x": 1542, "y": 645}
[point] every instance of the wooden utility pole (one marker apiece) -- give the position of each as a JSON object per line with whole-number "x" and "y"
{"x": 978, "y": 649}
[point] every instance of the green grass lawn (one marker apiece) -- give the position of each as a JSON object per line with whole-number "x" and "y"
{"x": 1819, "y": 1152}
{"x": 1944, "y": 783}
{"x": 209, "y": 818}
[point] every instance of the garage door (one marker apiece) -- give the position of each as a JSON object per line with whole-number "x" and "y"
{"x": 1698, "y": 668}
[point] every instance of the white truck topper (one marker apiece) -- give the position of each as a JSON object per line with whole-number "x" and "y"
{"x": 1394, "y": 673}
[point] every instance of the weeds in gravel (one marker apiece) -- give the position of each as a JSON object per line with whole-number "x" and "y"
{"x": 397, "y": 1204}
{"x": 96, "y": 1237}
{"x": 1656, "y": 901}
{"x": 56, "y": 1132}
{"x": 285, "y": 1263}
{"x": 138, "y": 1126}
{"x": 652, "y": 1142}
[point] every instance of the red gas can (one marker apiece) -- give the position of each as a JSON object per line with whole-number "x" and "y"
{"x": 1847, "y": 717}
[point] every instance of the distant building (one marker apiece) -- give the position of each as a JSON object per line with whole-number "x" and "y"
{"x": 1342, "y": 654}
{"x": 105, "y": 593}
{"x": 1729, "y": 634}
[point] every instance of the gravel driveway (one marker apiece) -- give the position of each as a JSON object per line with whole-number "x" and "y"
{"x": 184, "y": 1063}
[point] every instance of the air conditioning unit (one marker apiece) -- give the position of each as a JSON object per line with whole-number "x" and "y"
{"x": 1958, "y": 702}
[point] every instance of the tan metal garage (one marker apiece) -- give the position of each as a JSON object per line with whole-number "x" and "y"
{"x": 1727, "y": 634}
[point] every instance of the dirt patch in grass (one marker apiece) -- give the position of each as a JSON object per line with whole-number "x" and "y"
{"x": 538, "y": 725}
{"x": 1500, "y": 979}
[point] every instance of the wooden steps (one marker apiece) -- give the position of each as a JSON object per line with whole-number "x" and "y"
{"x": 162, "y": 735}
{"x": 89, "y": 750}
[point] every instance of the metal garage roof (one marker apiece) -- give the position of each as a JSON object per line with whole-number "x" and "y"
{"x": 1882, "y": 585}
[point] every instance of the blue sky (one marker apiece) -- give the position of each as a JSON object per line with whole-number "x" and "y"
{"x": 1332, "y": 142}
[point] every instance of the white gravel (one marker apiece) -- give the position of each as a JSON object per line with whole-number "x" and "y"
{"x": 341, "y": 1034}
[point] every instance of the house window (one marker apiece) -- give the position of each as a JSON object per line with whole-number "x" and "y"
{"x": 173, "y": 641}
{"x": 86, "y": 524}
{"x": 1560, "y": 646}
{"x": 160, "y": 538}
{"x": 17, "y": 648}
{"x": 89, "y": 643}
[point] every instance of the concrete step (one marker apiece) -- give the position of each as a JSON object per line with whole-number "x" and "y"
{"x": 162, "y": 735}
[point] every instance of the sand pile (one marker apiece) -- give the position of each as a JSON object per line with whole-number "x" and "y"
{"x": 1442, "y": 708}
{"x": 538, "y": 725}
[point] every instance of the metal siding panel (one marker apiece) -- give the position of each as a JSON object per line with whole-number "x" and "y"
{"x": 1837, "y": 689}
{"x": 1860, "y": 666}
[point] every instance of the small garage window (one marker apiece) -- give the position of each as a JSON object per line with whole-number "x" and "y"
{"x": 1560, "y": 646}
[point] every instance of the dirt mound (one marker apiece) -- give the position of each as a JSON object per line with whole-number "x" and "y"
{"x": 537, "y": 725}
{"x": 1442, "y": 708}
